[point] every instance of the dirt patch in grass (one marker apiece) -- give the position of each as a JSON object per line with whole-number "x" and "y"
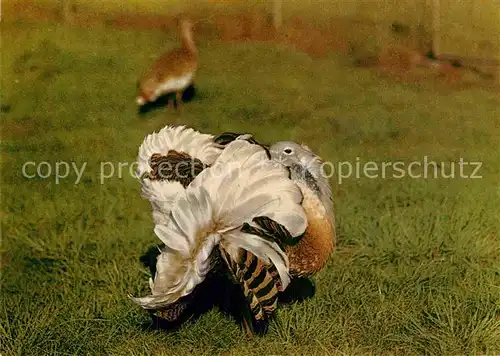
{"x": 314, "y": 40}
{"x": 28, "y": 11}
{"x": 141, "y": 21}
{"x": 244, "y": 26}
{"x": 25, "y": 126}
{"x": 401, "y": 63}
{"x": 346, "y": 36}
{"x": 404, "y": 62}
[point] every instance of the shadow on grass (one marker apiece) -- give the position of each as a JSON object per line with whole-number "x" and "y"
{"x": 187, "y": 95}
{"x": 218, "y": 290}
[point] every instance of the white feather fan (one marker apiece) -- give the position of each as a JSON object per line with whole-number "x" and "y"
{"x": 163, "y": 194}
{"x": 241, "y": 184}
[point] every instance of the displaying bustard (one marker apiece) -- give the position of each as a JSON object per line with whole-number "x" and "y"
{"x": 234, "y": 207}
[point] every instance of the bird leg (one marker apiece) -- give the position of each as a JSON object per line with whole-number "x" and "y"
{"x": 247, "y": 329}
{"x": 178, "y": 98}
{"x": 170, "y": 104}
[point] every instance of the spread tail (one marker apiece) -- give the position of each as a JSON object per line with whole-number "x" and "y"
{"x": 243, "y": 183}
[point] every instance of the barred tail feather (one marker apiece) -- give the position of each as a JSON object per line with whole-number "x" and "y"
{"x": 257, "y": 282}
{"x": 292, "y": 218}
{"x": 267, "y": 251}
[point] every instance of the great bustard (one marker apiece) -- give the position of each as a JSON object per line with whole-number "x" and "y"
{"x": 227, "y": 204}
{"x": 173, "y": 72}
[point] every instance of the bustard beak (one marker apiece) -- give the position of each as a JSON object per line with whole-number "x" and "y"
{"x": 140, "y": 100}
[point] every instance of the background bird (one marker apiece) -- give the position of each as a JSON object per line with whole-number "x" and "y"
{"x": 212, "y": 207}
{"x": 188, "y": 95}
{"x": 173, "y": 72}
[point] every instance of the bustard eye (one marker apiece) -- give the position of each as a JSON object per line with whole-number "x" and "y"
{"x": 288, "y": 151}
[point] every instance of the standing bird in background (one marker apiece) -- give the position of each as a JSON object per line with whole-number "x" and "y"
{"x": 173, "y": 72}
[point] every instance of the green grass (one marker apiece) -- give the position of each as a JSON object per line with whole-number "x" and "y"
{"x": 416, "y": 270}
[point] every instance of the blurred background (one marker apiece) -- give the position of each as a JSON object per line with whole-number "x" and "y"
{"x": 374, "y": 32}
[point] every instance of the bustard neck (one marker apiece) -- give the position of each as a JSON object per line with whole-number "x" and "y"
{"x": 187, "y": 40}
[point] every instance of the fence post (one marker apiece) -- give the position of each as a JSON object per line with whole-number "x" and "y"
{"x": 436, "y": 24}
{"x": 277, "y": 14}
{"x": 67, "y": 14}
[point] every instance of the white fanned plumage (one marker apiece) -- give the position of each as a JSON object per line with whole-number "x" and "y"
{"x": 243, "y": 183}
{"x": 180, "y": 139}
{"x": 163, "y": 194}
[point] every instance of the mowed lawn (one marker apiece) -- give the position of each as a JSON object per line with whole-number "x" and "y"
{"x": 417, "y": 266}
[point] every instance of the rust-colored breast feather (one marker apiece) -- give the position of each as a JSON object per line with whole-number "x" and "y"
{"x": 312, "y": 252}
